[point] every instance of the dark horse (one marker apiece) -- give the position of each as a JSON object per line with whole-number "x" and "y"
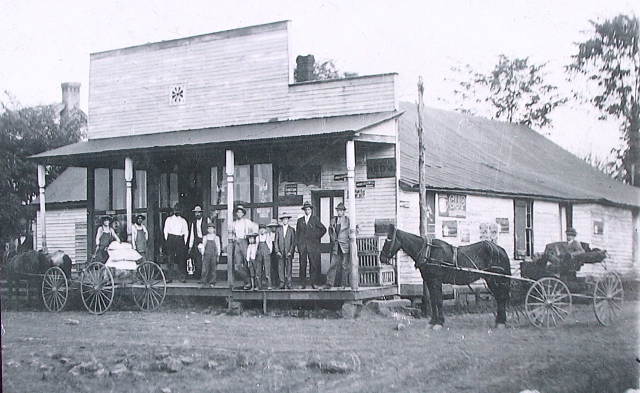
{"x": 440, "y": 262}
{"x": 31, "y": 266}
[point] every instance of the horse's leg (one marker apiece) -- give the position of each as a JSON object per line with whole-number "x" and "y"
{"x": 435, "y": 296}
{"x": 499, "y": 288}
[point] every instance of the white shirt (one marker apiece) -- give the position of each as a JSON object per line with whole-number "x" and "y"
{"x": 176, "y": 225}
{"x": 244, "y": 227}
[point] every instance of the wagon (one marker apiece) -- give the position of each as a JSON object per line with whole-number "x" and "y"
{"x": 97, "y": 282}
{"x": 554, "y": 285}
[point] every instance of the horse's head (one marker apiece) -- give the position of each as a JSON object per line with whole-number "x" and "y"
{"x": 391, "y": 245}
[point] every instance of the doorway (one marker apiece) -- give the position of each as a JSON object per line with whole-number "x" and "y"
{"x": 324, "y": 204}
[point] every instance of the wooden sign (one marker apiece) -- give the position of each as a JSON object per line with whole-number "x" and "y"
{"x": 360, "y": 193}
{"x": 340, "y": 177}
{"x": 291, "y": 189}
{"x": 366, "y": 184}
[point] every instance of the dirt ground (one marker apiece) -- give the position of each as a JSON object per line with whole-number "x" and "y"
{"x": 202, "y": 349}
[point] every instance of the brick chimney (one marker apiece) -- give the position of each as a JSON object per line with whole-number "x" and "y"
{"x": 70, "y": 97}
{"x": 304, "y": 68}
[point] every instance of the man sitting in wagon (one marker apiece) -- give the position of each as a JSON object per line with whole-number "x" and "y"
{"x": 560, "y": 255}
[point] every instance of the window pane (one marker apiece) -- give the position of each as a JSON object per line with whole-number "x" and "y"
{"x": 163, "y": 190}
{"x": 242, "y": 186}
{"x": 119, "y": 189}
{"x": 173, "y": 189}
{"x": 263, "y": 215}
{"x": 140, "y": 192}
{"x": 262, "y": 183}
{"x": 216, "y": 188}
{"x": 101, "y": 183}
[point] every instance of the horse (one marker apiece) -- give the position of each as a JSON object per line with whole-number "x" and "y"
{"x": 31, "y": 265}
{"x": 440, "y": 262}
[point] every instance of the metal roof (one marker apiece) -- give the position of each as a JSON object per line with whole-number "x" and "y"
{"x": 472, "y": 154}
{"x": 220, "y": 136}
{"x": 69, "y": 186}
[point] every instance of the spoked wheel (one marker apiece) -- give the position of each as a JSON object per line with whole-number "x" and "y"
{"x": 55, "y": 289}
{"x": 149, "y": 286}
{"x": 97, "y": 287}
{"x": 608, "y": 296}
{"x": 548, "y": 302}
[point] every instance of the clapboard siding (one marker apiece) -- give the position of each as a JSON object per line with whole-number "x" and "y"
{"x": 408, "y": 221}
{"x": 66, "y": 231}
{"x": 547, "y": 224}
{"x": 240, "y": 79}
{"x": 617, "y": 237}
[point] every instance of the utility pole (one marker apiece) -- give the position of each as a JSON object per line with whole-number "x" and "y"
{"x": 422, "y": 186}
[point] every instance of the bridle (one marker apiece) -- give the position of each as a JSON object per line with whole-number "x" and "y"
{"x": 391, "y": 245}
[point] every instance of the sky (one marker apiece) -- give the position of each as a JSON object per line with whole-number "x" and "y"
{"x": 45, "y": 43}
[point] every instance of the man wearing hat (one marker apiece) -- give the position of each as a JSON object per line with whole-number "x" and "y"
{"x": 176, "y": 231}
{"x": 309, "y": 231}
{"x": 104, "y": 236}
{"x": 339, "y": 234}
{"x": 197, "y": 230}
{"x": 272, "y": 227}
{"x": 284, "y": 247}
{"x": 140, "y": 236}
{"x": 573, "y": 246}
{"x": 242, "y": 227}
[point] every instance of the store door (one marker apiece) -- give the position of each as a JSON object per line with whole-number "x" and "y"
{"x": 324, "y": 204}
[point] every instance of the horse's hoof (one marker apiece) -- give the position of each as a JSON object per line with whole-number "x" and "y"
{"x": 501, "y": 326}
{"x": 437, "y": 327}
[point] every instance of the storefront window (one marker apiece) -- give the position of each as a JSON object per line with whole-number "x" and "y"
{"x": 262, "y": 183}
{"x": 168, "y": 190}
{"x": 140, "y": 191}
{"x": 242, "y": 185}
{"x": 119, "y": 190}
{"x": 101, "y": 184}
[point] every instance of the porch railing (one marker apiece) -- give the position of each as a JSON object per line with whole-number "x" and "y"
{"x": 372, "y": 272}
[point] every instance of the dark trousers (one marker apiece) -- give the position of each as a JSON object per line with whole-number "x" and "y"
{"x": 339, "y": 263}
{"x": 285, "y": 267}
{"x": 263, "y": 264}
{"x": 176, "y": 252}
{"x": 314, "y": 267}
{"x": 209, "y": 264}
{"x": 197, "y": 261}
{"x": 240, "y": 259}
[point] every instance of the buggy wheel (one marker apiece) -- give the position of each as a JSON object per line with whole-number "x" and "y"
{"x": 149, "y": 286}
{"x": 548, "y": 302}
{"x": 97, "y": 288}
{"x": 608, "y": 296}
{"x": 55, "y": 289}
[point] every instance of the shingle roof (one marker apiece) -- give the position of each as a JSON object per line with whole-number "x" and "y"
{"x": 472, "y": 154}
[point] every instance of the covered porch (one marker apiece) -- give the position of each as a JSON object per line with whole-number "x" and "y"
{"x": 270, "y": 168}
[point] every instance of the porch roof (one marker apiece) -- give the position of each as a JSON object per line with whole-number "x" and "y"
{"x": 82, "y": 152}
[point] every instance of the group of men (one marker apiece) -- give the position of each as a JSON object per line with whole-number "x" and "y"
{"x": 253, "y": 248}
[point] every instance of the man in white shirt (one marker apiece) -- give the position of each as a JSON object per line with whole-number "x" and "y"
{"x": 176, "y": 231}
{"x": 242, "y": 227}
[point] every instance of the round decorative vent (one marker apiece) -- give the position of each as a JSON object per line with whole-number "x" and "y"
{"x": 177, "y": 95}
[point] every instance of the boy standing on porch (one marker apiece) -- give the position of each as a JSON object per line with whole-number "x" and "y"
{"x": 309, "y": 231}
{"x": 263, "y": 256}
{"x": 339, "y": 234}
{"x": 284, "y": 246}
{"x": 210, "y": 248}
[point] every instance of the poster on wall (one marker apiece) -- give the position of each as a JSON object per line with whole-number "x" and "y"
{"x": 431, "y": 213}
{"x": 503, "y": 223}
{"x": 465, "y": 235}
{"x": 449, "y": 228}
{"x": 452, "y": 205}
{"x": 489, "y": 231}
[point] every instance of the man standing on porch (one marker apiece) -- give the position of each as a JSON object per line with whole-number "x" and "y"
{"x": 197, "y": 230}
{"x": 339, "y": 234}
{"x": 285, "y": 246}
{"x": 242, "y": 227}
{"x": 309, "y": 231}
{"x": 176, "y": 231}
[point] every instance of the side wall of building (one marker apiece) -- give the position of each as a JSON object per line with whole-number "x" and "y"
{"x": 66, "y": 231}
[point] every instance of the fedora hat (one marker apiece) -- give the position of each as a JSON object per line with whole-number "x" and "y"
{"x": 252, "y": 235}
{"x": 211, "y": 225}
{"x": 285, "y": 215}
{"x": 106, "y": 217}
{"x": 197, "y": 209}
{"x": 240, "y": 207}
{"x": 571, "y": 231}
{"x": 307, "y": 205}
{"x": 341, "y": 206}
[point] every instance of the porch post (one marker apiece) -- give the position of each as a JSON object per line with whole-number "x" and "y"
{"x": 351, "y": 193}
{"x": 128, "y": 177}
{"x": 230, "y": 169}
{"x": 43, "y": 210}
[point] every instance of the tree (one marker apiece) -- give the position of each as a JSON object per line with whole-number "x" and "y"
{"x": 321, "y": 70}
{"x": 25, "y": 132}
{"x": 610, "y": 62}
{"x": 514, "y": 91}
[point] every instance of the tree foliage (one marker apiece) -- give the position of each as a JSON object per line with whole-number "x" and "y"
{"x": 514, "y": 91}
{"x": 325, "y": 70}
{"x": 610, "y": 62}
{"x": 25, "y": 132}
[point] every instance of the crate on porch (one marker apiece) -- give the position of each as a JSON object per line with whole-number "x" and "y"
{"x": 371, "y": 271}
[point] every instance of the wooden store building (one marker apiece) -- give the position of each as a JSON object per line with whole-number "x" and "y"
{"x": 218, "y": 119}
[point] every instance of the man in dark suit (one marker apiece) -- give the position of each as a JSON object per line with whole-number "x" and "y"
{"x": 197, "y": 230}
{"x": 284, "y": 246}
{"x": 309, "y": 231}
{"x": 339, "y": 234}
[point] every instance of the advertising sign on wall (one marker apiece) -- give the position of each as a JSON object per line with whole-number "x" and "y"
{"x": 452, "y": 205}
